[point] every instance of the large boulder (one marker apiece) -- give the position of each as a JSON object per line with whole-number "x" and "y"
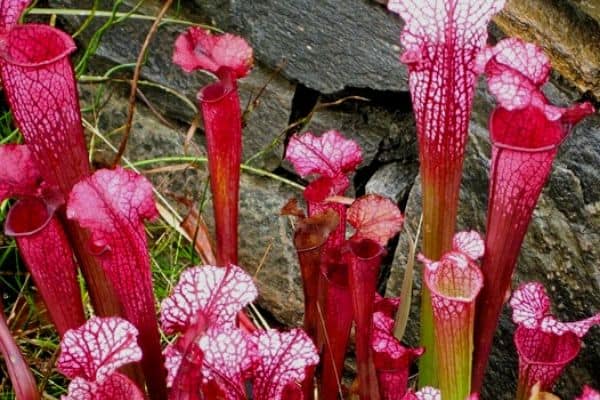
{"x": 327, "y": 45}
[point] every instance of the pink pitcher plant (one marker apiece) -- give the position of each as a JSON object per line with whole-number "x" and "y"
{"x": 230, "y": 58}
{"x": 526, "y": 132}
{"x": 349, "y": 268}
{"x": 545, "y": 345}
{"x": 441, "y": 41}
{"x": 455, "y": 281}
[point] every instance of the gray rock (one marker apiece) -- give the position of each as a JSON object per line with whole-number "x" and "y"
{"x": 369, "y": 125}
{"x": 401, "y": 142}
{"x": 393, "y": 180}
{"x": 264, "y": 123}
{"x": 149, "y": 138}
{"x": 265, "y": 234}
{"x": 328, "y": 45}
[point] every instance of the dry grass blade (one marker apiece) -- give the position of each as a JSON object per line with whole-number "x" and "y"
{"x": 340, "y": 200}
{"x": 196, "y": 228}
{"x": 190, "y": 133}
{"x": 407, "y": 282}
{"x": 258, "y": 316}
{"x": 136, "y": 77}
{"x": 326, "y": 336}
{"x": 263, "y": 259}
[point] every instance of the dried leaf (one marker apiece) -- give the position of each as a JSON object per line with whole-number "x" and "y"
{"x": 195, "y": 227}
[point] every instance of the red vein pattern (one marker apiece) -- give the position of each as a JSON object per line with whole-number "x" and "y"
{"x": 525, "y": 131}
{"x": 364, "y": 259}
{"x": 337, "y": 313}
{"x": 330, "y": 157}
{"x": 115, "y": 387}
{"x": 228, "y": 356}
{"x": 184, "y": 362}
{"x": 426, "y": 393}
{"x": 442, "y": 40}
{"x": 19, "y": 175}
{"x": 227, "y": 360}
{"x": 545, "y": 345}
{"x": 112, "y": 205}
{"x": 218, "y": 294}
{"x": 309, "y": 238}
{"x": 40, "y": 86}
{"x": 205, "y": 301}
{"x": 281, "y": 359}
{"x": 49, "y": 258}
{"x": 91, "y": 355}
{"x": 41, "y": 239}
{"x": 531, "y": 308}
{"x": 330, "y": 154}
{"x": 10, "y": 12}
{"x": 392, "y": 359}
{"x": 542, "y": 358}
{"x": 469, "y": 243}
{"x": 98, "y": 348}
{"x": 230, "y": 58}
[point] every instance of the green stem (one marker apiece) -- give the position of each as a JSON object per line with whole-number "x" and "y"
{"x": 453, "y": 288}
{"x": 440, "y": 203}
{"x": 454, "y": 351}
{"x": 428, "y": 361}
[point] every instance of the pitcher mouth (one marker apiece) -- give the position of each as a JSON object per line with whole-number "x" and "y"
{"x": 28, "y": 216}
{"x": 366, "y": 249}
{"x": 549, "y": 138}
{"x": 215, "y": 92}
{"x": 571, "y": 343}
{"x": 34, "y": 45}
{"x": 462, "y": 289}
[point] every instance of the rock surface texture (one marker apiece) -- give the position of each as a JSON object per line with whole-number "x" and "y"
{"x": 334, "y": 64}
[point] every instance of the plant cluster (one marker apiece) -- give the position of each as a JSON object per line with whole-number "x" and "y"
{"x": 67, "y": 218}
